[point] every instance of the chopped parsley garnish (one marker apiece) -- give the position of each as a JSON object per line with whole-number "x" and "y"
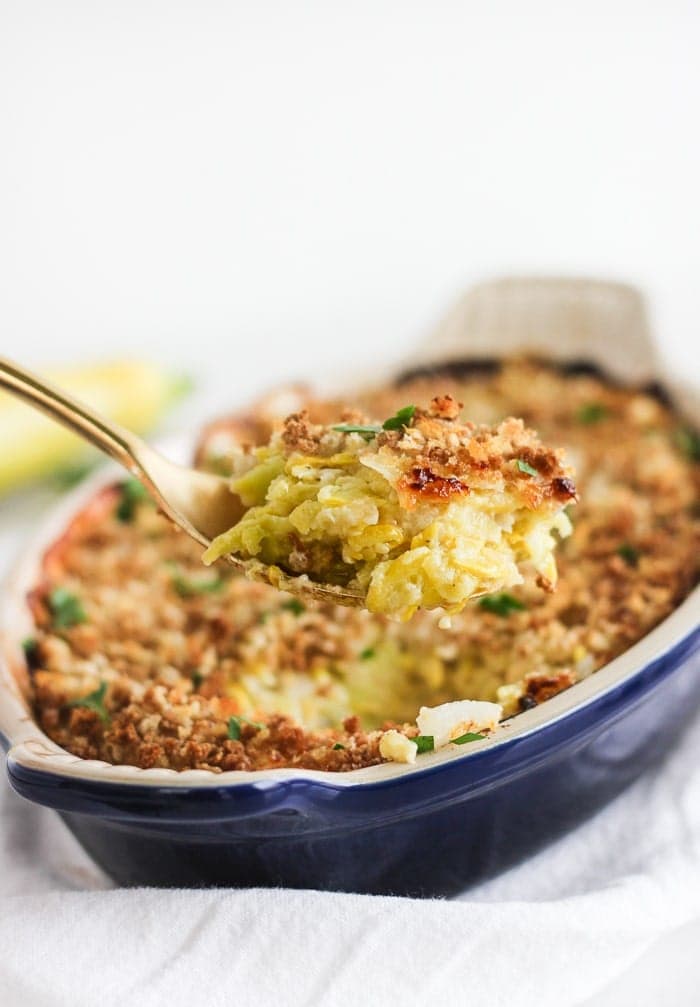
{"x": 234, "y": 726}
{"x": 133, "y": 493}
{"x": 368, "y": 432}
{"x": 367, "y": 654}
{"x": 66, "y": 608}
{"x": 197, "y": 679}
{"x": 425, "y": 743}
{"x": 628, "y": 553}
{"x": 501, "y": 604}
{"x": 592, "y": 412}
{"x": 188, "y": 587}
{"x": 526, "y": 467}
{"x": 94, "y": 701}
{"x": 294, "y": 606}
{"x": 688, "y": 443}
{"x": 464, "y": 739}
{"x": 338, "y": 747}
{"x": 401, "y": 419}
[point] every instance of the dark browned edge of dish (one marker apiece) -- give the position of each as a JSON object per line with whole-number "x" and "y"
{"x": 488, "y": 366}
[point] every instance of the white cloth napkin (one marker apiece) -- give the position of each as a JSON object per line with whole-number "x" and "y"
{"x": 550, "y": 932}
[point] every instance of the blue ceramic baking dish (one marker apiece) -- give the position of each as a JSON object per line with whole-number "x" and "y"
{"x": 424, "y": 830}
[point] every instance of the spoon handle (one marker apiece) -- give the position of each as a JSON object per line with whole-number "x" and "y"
{"x": 109, "y": 437}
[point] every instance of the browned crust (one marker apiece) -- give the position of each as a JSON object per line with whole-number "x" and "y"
{"x": 605, "y": 600}
{"x": 95, "y": 513}
{"x": 441, "y": 455}
{"x": 422, "y": 483}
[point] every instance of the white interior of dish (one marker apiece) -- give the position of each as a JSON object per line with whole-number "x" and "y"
{"x": 461, "y": 335}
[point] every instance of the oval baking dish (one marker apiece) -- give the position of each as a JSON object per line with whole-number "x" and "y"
{"x": 428, "y": 829}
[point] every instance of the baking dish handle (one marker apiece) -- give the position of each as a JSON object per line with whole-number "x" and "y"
{"x": 563, "y": 319}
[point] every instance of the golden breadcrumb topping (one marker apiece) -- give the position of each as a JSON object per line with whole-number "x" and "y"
{"x": 141, "y": 656}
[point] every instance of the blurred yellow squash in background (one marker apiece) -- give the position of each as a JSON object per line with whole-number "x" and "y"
{"x": 132, "y": 392}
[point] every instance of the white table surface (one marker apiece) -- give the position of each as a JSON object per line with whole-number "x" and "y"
{"x": 304, "y": 185}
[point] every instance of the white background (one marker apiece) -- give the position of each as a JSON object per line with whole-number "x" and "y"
{"x": 250, "y": 191}
{"x": 310, "y": 182}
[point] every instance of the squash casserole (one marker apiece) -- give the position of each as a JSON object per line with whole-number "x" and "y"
{"x": 142, "y": 656}
{"x": 422, "y": 511}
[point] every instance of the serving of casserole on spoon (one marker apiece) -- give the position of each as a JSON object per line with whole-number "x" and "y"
{"x": 420, "y": 511}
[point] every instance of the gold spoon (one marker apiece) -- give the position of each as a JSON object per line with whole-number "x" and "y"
{"x": 199, "y": 503}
